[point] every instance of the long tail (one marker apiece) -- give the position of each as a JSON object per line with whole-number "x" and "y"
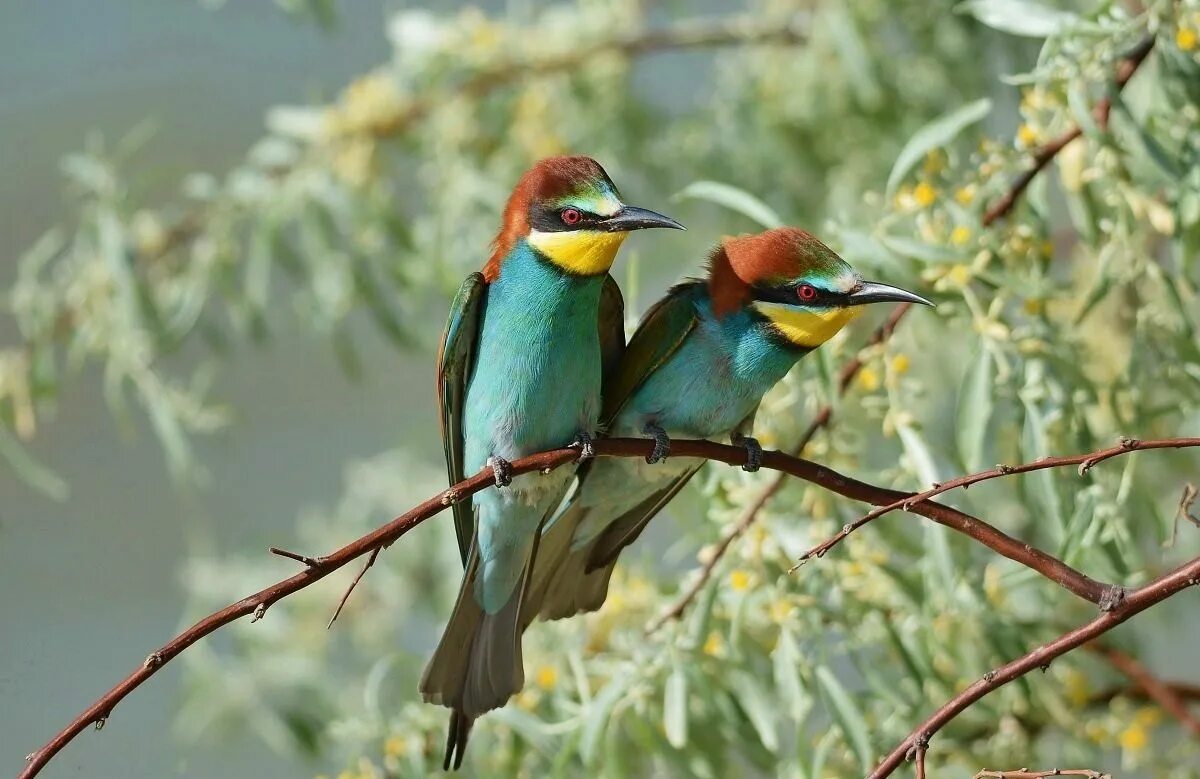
{"x": 477, "y": 665}
{"x": 561, "y": 585}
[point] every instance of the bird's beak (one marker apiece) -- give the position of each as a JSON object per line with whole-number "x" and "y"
{"x": 634, "y": 218}
{"x": 874, "y": 292}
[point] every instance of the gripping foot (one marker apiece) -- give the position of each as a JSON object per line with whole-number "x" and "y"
{"x": 583, "y": 442}
{"x": 662, "y": 443}
{"x": 501, "y": 470}
{"x": 754, "y": 451}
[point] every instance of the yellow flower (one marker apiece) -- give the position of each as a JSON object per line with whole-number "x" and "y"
{"x": 528, "y": 700}
{"x": 965, "y": 194}
{"x": 924, "y": 194}
{"x": 1186, "y": 38}
{"x": 1033, "y": 306}
{"x": 780, "y": 610}
{"x": 1078, "y": 690}
{"x": 1026, "y": 136}
{"x": 959, "y": 275}
{"x": 900, "y": 363}
{"x": 714, "y": 644}
{"x": 1133, "y": 738}
{"x": 547, "y": 677}
{"x": 739, "y": 580}
{"x": 395, "y": 746}
{"x": 868, "y": 379}
{"x": 960, "y": 235}
{"x": 935, "y": 161}
{"x": 1148, "y": 716}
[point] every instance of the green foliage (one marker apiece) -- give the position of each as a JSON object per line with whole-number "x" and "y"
{"x": 1057, "y": 329}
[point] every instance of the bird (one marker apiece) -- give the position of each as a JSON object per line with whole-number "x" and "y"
{"x": 520, "y": 371}
{"x": 697, "y": 366}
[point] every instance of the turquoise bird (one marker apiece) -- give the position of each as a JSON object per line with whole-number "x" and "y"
{"x": 697, "y": 367}
{"x": 520, "y": 370}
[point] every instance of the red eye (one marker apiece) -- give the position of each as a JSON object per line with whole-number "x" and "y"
{"x": 571, "y": 216}
{"x": 806, "y": 292}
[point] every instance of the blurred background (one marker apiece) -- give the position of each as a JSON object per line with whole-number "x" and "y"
{"x": 231, "y": 232}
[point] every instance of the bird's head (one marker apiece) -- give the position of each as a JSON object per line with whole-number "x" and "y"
{"x": 799, "y": 286}
{"x": 568, "y": 209}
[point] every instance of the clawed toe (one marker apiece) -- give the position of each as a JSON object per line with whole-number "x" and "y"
{"x": 501, "y": 470}
{"x": 662, "y": 443}
{"x": 754, "y": 452}
{"x": 583, "y": 442}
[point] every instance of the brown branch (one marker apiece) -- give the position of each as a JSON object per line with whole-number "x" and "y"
{"x": 346, "y": 596}
{"x": 1157, "y": 690}
{"x": 1085, "y": 462}
{"x": 1133, "y": 603}
{"x": 1048, "y": 151}
{"x": 1184, "y": 512}
{"x": 319, "y": 567}
{"x": 750, "y": 513}
{"x": 1025, "y": 773}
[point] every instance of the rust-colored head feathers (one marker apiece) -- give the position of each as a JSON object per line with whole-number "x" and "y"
{"x": 773, "y": 256}
{"x": 550, "y": 180}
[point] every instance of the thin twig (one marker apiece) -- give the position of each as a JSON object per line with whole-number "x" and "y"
{"x": 1157, "y": 690}
{"x": 1047, "y": 152}
{"x": 1186, "y": 575}
{"x": 256, "y": 604}
{"x": 1085, "y": 462}
{"x": 1186, "y": 501}
{"x": 346, "y": 595}
{"x": 751, "y": 512}
{"x": 1025, "y": 773}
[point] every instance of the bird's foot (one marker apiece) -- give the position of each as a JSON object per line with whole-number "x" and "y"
{"x": 501, "y": 470}
{"x": 754, "y": 451}
{"x": 583, "y": 442}
{"x": 662, "y": 443}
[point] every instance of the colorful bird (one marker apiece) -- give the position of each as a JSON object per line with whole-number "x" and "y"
{"x": 697, "y": 367}
{"x": 520, "y": 371}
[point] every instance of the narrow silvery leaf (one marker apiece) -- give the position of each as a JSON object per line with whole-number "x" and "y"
{"x": 734, "y": 199}
{"x": 758, "y": 706}
{"x": 934, "y": 135}
{"x": 848, "y": 716}
{"x": 974, "y": 410}
{"x": 675, "y": 708}
{"x": 1019, "y": 17}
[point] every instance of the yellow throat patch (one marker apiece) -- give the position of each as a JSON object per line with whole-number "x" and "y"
{"x": 809, "y": 329}
{"x": 583, "y": 252}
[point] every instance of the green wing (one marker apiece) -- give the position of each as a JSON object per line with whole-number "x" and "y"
{"x": 661, "y": 331}
{"x": 612, "y": 327}
{"x": 456, "y": 361}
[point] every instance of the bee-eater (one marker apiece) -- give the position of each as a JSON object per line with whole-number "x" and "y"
{"x": 697, "y": 367}
{"x": 520, "y": 371}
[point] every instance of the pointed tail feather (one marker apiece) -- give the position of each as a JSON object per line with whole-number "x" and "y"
{"x": 574, "y": 589}
{"x": 554, "y": 549}
{"x": 456, "y": 740}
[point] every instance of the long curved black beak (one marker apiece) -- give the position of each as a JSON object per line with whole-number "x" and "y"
{"x": 634, "y": 218}
{"x": 874, "y": 292}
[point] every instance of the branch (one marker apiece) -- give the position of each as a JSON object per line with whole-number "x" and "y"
{"x": 1042, "y": 157}
{"x": 1025, "y": 773}
{"x": 1085, "y": 462}
{"x": 1157, "y": 690}
{"x": 317, "y": 568}
{"x": 1186, "y": 575}
{"x": 747, "y": 517}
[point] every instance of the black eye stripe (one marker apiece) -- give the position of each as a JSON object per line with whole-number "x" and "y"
{"x": 548, "y": 219}
{"x": 789, "y": 295}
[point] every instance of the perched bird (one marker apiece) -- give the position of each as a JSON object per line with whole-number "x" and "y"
{"x": 697, "y": 367}
{"x": 520, "y": 371}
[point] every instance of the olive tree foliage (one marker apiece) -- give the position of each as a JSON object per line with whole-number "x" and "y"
{"x": 888, "y": 128}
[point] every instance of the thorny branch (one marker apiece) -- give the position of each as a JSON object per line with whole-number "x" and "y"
{"x": 1135, "y": 602}
{"x": 317, "y": 568}
{"x": 1025, "y": 773}
{"x": 1085, "y": 462}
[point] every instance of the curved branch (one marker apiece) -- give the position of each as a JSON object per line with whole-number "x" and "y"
{"x": 1085, "y": 462}
{"x": 1048, "y": 151}
{"x": 317, "y": 568}
{"x": 1025, "y": 773}
{"x": 1133, "y": 603}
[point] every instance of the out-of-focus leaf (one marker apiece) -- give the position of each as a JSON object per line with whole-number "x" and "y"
{"x": 1041, "y": 483}
{"x": 786, "y": 661}
{"x": 934, "y": 135}
{"x": 1019, "y": 17}
{"x": 753, "y": 699}
{"x": 919, "y": 456}
{"x": 675, "y": 722}
{"x": 974, "y": 410}
{"x": 598, "y": 713}
{"x": 30, "y": 470}
{"x": 734, "y": 199}
{"x": 920, "y": 250}
{"x": 847, "y": 715}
